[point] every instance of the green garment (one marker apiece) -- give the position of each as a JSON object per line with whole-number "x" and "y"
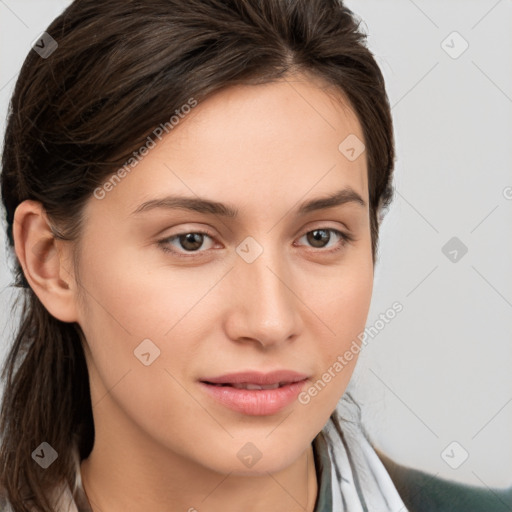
{"x": 420, "y": 491}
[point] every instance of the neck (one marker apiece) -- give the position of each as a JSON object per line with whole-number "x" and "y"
{"x": 149, "y": 477}
{"x": 128, "y": 487}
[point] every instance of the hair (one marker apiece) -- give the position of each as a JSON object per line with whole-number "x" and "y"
{"x": 121, "y": 68}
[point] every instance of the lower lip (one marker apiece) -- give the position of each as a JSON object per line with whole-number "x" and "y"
{"x": 255, "y": 402}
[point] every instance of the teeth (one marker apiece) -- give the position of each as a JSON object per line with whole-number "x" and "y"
{"x": 246, "y": 385}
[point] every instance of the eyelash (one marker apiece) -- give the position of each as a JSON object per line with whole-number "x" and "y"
{"x": 164, "y": 243}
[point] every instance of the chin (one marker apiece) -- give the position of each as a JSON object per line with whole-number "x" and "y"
{"x": 246, "y": 458}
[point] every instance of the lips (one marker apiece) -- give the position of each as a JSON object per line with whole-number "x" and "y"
{"x": 257, "y": 378}
{"x": 255, "y": 393}
{"x": 248, "y": 385}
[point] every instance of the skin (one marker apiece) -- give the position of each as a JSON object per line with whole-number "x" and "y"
{"x": 161, "y": 443}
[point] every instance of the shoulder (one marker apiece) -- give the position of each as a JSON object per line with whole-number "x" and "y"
{"x": 423, "y": 492}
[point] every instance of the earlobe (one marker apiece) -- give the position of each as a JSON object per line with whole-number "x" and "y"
{"x": 44, "y": 261}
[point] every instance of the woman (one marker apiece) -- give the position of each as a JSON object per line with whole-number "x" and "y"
{"x": 177, "y": 177}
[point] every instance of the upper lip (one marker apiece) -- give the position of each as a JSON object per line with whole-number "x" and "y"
{"x": 258, "y": 378}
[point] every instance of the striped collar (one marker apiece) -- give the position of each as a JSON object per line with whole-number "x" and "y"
{"x": 351, "y": 477}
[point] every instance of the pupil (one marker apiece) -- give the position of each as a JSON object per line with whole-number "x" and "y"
{"x": 319, "y": 235}
{"x": 195, "y": 239}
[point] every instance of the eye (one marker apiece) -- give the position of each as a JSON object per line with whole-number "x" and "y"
{"x": 190, "y": 241}
{"x": 322, "y": 236}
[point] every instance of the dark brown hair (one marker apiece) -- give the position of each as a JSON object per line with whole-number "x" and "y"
{"x": 121, "y": 68}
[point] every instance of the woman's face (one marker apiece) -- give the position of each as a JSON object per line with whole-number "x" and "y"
{"x": 269, "y": 288}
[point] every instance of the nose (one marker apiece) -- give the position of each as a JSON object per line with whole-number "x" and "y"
{"x": 264, "y": 304}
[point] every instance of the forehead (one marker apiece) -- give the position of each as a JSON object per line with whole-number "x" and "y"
{"x": 251, "y": 144}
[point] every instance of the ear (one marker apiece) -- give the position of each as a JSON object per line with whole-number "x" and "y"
{"x": 45, "y": 261}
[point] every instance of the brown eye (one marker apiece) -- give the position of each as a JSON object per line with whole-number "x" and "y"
{"x": 191, "y": 241}
{"x": 319, "y": 238}
{"x": 183, "y": 243}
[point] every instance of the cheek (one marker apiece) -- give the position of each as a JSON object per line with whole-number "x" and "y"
{"x": 133, "y": 309}
{"x": 343, "y": 301}
{"x": 125, "y": 325}
{"x": 343, "y": 305}
{"x": 349, "y": 306}
{"x": 338, "y": 347}
{"x": 131, "y": 294}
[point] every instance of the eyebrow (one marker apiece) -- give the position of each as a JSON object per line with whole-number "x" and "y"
{"x": 202, "y": 205}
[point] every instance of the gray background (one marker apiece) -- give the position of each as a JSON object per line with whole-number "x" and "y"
{"x": 439, "y": 372}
